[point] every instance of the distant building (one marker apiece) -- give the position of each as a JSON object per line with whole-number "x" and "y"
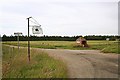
{"x": 107, "y": 39}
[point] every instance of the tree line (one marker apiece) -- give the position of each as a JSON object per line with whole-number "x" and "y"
{"x": 57, "y": 38}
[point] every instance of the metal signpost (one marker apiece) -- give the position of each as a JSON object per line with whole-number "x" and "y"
{"x": 36, "y": 30}
{"x": 18, "y": 34}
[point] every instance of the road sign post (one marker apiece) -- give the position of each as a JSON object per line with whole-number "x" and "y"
{"x": 18, "y": 34}
{"x": 36, "y": 30}
{"x": 18, "y": 41}
{"x": 28, "y": 41}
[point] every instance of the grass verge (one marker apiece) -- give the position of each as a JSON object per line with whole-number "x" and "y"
{"x": 16, "y": 65}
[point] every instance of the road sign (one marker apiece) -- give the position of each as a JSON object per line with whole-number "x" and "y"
{"x": 18, "y": 34}
{"x": 37, "y": 30}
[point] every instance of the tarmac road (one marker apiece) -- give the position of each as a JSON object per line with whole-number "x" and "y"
{"x": 87, "y": 63}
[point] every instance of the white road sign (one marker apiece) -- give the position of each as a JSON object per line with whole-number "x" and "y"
{"x": 18, "y": 34}
{"x": 37, "y": 30}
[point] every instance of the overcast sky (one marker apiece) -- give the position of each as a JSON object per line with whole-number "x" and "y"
{"x": 60, "y": 17}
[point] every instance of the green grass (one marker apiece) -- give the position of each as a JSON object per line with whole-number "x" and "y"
{"x": 104, "y": 46}
{"x": 15, "y": 64}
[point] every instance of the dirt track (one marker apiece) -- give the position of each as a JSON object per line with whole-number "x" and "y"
{"x": 87, "y": 63}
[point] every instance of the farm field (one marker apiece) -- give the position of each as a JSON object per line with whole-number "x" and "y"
{"x": 15, "y": 64}
{"x": 46, "y": 62}
{"x": 104, "y": 46}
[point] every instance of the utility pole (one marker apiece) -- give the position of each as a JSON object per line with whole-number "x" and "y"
{"x": 28, "y": 40}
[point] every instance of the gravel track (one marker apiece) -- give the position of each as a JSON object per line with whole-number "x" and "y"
{"x": 87, "y": 63}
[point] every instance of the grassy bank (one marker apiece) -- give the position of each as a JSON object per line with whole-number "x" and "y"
{"x": 104, "y": 46}
{"x": 15, "y": 64}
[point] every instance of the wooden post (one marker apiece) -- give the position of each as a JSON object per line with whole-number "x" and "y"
{"x": 28, "y": 41}
{"x": 18, "y": 41}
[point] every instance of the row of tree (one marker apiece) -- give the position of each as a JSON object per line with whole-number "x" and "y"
{"x": 57, "y": 38}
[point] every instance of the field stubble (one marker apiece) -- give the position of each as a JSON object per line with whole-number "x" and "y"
{"x": 104, "y": 46}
